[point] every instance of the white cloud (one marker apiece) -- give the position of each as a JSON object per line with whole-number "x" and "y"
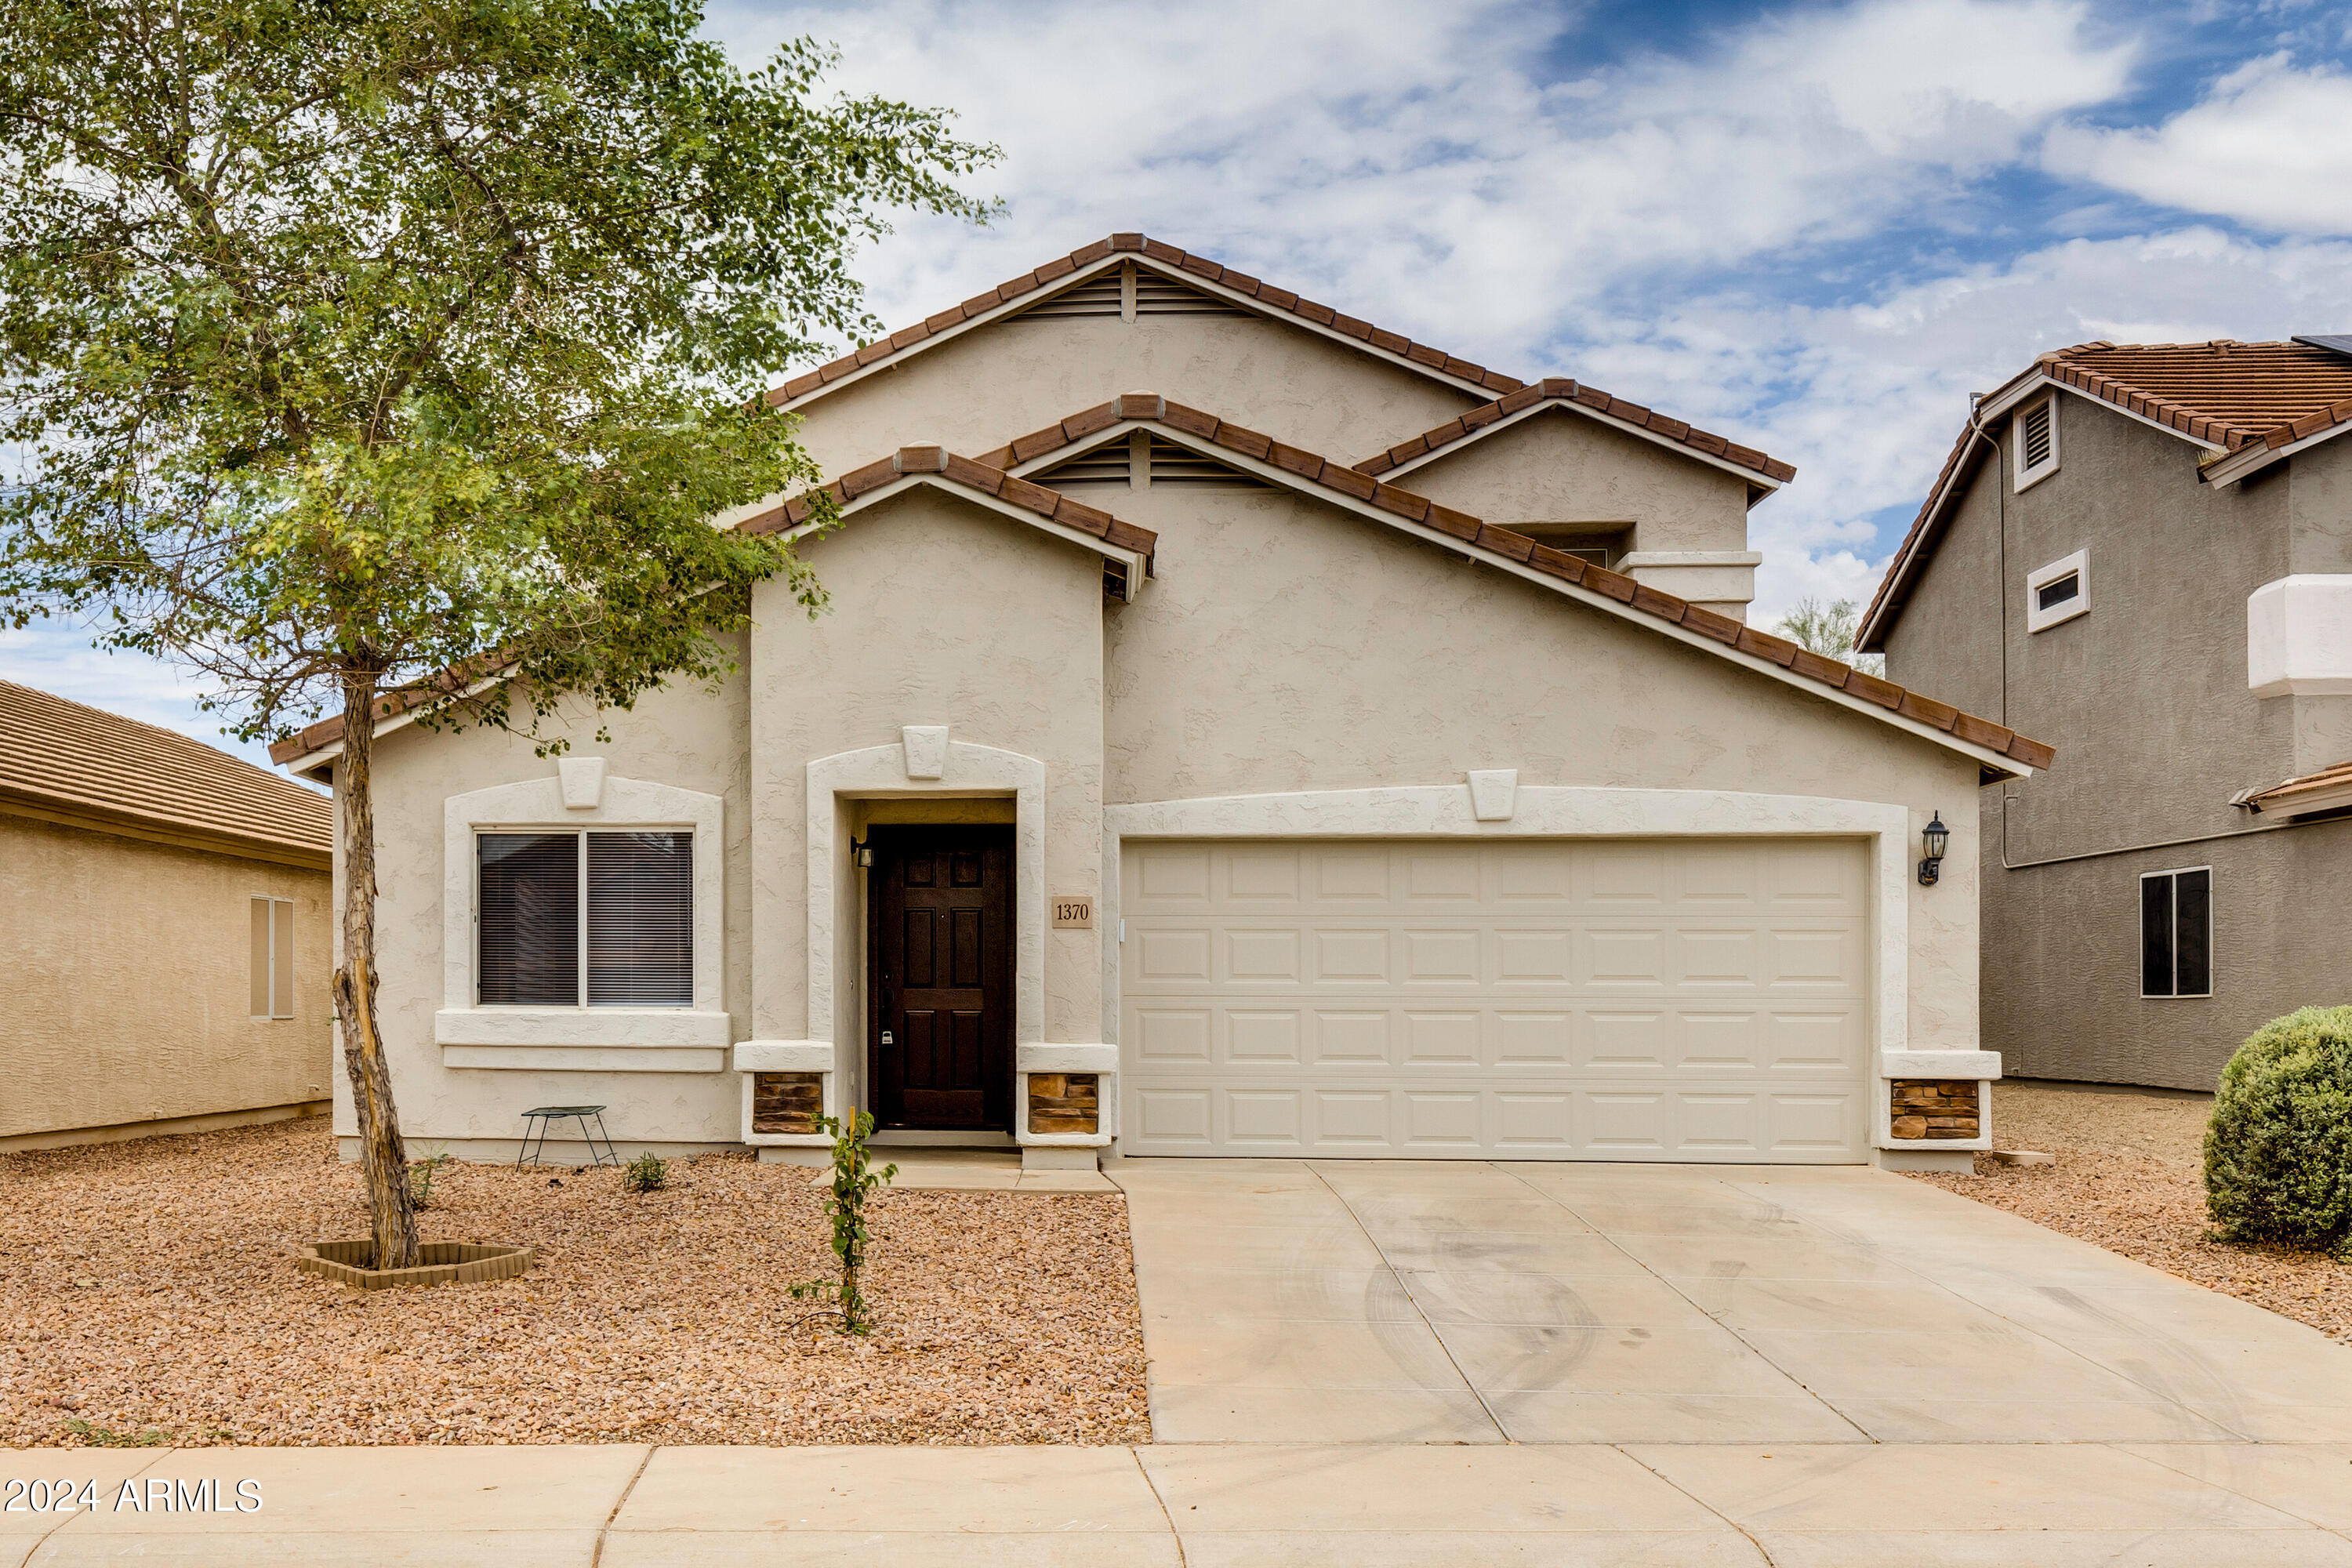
{"x": 1401, "y": 159}
{"x": 2267, "y": 146}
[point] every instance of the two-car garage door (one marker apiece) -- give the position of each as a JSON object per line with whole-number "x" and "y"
{"x": 1605, "y": 999}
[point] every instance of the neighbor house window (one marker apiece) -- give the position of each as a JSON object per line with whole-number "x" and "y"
{"x": 272, "y": 972}
{"x": 2059, "y": 592}
{"x": 586, "y": 920}
{"x": 2037, "y": 443}
{"x": 2176, "y": 933}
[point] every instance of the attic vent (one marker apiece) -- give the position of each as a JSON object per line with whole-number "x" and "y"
{"x": 2037, "y": 443}
{"x": 1106, "y": 464}
{"x": 2037, "y": 437}
{"x": 1174, "y": 465}
{"x": 1097, "y": 296}
{"x": 1105, "y": 294}
{"x": 1157, "y": 296}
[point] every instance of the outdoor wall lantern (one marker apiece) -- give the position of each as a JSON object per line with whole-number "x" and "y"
{"x": 1932, "y": 838}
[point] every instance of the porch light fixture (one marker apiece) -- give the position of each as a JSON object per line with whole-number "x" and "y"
{"x": 861, "y": 852}
{"x": 1932, "y": 839}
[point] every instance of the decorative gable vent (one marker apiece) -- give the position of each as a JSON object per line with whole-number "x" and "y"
{"x": 1106, "y": 464}
{"x": 1097, "y": 296}
{"x": 1106, "y": 294}
{"x": 1174, "y": 465}
{"x": 1113, "y": 462}
{"x": 1157, "y": 296}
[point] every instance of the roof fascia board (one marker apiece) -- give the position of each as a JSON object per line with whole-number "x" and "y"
{"x": 64, "y": 811}
{"x": 1133, "y": 561}
{"x": 1763, "y": 484}
{"x": 2305, "y": 802}
{"x": 2254, "y": 457}
{"x": 1175, "y": 274}
{"x": 1284, "y": 478}
{"x": 324, "y": 755}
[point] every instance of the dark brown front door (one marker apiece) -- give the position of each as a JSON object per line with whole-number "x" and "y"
{"x": 941, "y": 1042}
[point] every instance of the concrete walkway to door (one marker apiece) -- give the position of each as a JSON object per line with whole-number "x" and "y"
{"x": 1391, "y": 1301}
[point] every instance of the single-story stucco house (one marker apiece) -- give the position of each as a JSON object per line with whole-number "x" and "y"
{"x": 164, "y": 922}
{"x": 1237, "y": 730}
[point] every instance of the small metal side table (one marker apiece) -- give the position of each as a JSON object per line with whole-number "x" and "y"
{"x": 539, "y": 1116}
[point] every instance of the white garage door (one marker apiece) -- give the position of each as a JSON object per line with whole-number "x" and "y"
{"x": 1609, "y": 999}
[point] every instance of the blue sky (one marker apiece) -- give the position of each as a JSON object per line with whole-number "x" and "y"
{"x": 1815, "y": 228}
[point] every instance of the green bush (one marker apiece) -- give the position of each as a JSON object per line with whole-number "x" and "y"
{"x": 2278, "y": 1153}
{"x": 645, "y": 1174}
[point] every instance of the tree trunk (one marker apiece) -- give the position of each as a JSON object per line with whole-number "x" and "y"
{"x": 384, "y": 1158}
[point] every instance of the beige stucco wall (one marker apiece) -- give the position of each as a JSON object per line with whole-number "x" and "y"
{"x": 981, "y": 390}
{"x": 944, "y": 613}
{"x": 1288, "y": 646}
{"x": 129, "y": 975}
{"x": 689, "y": 737}
{"x": 1561, "y": 466}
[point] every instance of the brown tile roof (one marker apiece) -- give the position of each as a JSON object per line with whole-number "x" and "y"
{"x": 1554, "y": 389}
{"x": 2226, "y": 393}
{"x": 84, "y": 762}
{"x": 1174, "y": 260}
{"x": 1461, "y": 527}
{"x": 943, "y": 465}
{"x": 2223, "y": 392}
{"x": 2301, "y": 793}
{"x": 988, "y": 478}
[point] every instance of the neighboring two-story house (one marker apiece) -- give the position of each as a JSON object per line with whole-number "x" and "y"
{"x": 2144, "y": 555}
{"x": 1152, "y": 780}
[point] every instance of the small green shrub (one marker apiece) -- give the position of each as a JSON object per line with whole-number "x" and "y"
{"x": 853, "y": 1179}
{"x": 2278, "y": 1153}
{"x": 101, "y": 1437}
{"x": 423, "y": 1173}
{"x": 645, "y": 1174}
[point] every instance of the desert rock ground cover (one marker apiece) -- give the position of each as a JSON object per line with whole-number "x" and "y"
{"x": 150, "y": 1288}
{"x": 2128, "y": 1178}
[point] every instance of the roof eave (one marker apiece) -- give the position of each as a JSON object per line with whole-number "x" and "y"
{"x": 1274, "y": 474}
{"x": 1759, "y": 485}
{"x": 1013, "y": 306}
{"x": 2255, "y": 455}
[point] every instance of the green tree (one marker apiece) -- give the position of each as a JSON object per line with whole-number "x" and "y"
{"x": 1829, "y": 633}
{"x": 368, "y": 354}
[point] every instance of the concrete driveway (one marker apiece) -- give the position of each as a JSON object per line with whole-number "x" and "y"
{"x": 1335, "y": 1301}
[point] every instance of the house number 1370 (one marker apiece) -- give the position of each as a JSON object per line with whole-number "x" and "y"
{"x": 1077, "y": 912}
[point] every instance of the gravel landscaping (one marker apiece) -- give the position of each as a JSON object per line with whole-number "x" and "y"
{"x": 2129, "y": 1177}
{"x": 148, "y": 1289}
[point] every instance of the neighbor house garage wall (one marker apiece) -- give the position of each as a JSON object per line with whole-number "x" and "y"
{"x": 1558, "y": 466}
{"x": 2062, "y": 958}
{"x": 689, "y": 737}
{"x": 129, "y": 975}
{"x": 944, "y": 613}
{"x": 979, "y": 391}
{"x": 1287, "y": 645}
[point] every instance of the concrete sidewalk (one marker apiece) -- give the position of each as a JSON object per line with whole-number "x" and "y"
{"x": 1200, "y": 1506}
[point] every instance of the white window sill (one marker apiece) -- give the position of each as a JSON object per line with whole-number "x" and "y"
{"x": 671, "y": 1027}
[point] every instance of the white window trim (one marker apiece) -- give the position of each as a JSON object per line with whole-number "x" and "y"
{"x": 657, "y": 1039}
{"x": 2140, "y": 916}
{"x": 2026, "y": 479}
{"x": 2041, "y": 620}
{"x": 278, "y": 910}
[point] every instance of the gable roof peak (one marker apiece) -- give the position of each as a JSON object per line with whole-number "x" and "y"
{"x": 1763, "y": 473}
{"x": 1199, "y": 272}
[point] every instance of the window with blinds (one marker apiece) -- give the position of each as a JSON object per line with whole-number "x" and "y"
{"x": 595, "y": 919}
